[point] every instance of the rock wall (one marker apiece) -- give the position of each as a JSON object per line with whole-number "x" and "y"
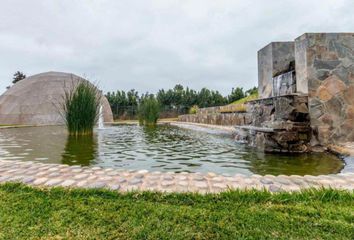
{"x": 209, "y": 110}
{"x": 279, "y": 124}
{"x": 325, "y": 71}
{"x": 288, "y": 108}
{"x": 224, "y": 119}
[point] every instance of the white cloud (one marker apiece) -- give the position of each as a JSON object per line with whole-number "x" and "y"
{"x": 149, "y": 45}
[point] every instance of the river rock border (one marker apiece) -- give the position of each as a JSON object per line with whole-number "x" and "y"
{"x": 51, "y": 175}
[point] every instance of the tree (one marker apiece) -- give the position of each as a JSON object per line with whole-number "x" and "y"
{"x": 236, "y": 94}
{"x": 252, "y": 91}
{"x": 177, "y": 100}
{"x": 18, "y": 76}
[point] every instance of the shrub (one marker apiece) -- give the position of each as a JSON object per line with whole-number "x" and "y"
{"x": 81, "y": 108}
{"x": 148, "y": 111}
{"x": 193, "y": 110}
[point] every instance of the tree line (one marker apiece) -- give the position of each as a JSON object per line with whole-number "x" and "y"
{"x": 173, "y": 102}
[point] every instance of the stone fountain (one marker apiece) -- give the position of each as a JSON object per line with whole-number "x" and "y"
{"x": 306, "y": 92}
{"x": 306, "y": 96}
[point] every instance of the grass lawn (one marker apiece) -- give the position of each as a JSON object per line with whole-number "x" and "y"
{"x": 30, "y": 213}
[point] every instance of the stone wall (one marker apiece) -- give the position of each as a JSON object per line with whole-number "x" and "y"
{"x": 209, "y": 110}
{"x": 288, "y": 108}
{"x": 279, "y": 124}
{"x": 325, "y": 71}
{"x": 224, "y": 119}
{"x": 272, "y": 60}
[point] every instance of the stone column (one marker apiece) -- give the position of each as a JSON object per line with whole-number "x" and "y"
{"x": 273, "y": 59}
{"x": 325, "y": 70}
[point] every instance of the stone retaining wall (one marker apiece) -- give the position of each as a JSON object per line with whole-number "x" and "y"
{"x": 209, "y": 110}
{"x": 224, "y": 119}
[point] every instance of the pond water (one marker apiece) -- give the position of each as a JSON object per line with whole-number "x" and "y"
{"x": 164, "y": 148}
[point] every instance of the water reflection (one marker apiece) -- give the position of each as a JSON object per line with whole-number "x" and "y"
{"x": 81, "y": 150}
{"x": 294, "y": 164}
{"x": 162, "y": 148}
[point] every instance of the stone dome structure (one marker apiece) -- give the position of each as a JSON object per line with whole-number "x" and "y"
{"x": 35, "y": 100}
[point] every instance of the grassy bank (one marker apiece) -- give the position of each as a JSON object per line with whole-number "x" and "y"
{"x": 246, "y": 99}
{"x": 29, "y": 213}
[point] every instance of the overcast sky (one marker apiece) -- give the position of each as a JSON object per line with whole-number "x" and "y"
{"x": 148, "y": 45}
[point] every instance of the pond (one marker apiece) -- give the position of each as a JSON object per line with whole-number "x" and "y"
{"x": 164, "y": 148}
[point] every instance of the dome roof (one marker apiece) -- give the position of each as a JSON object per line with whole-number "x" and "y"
{"x": 35, "y": 100}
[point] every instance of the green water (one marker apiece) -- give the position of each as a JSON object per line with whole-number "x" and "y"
{"x": 164, "y": 148}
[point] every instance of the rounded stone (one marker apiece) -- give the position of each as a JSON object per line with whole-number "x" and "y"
{"x": 40, "y": 181}
{"x": 211, "y": 174}
{"x": 96, "y": 185}
{"x": 183, "y": 183}
{"x": 139, "y": 176}
{"x": 53, "y": 182}
{"x": 266, "y": 181}
{"x": 166, "y": 183}
{"x": 220, "y": 185}
{"x": 54, "y": 174}
{"x": 67, "y": 183}
{"x": 113, "y": 186}
{"x": 167, "y": 177}
{"x": 135, "y": 181}
{"x": 82, "y": 183}
{"x": 218, "y": 179}
{"x": 275, "y": 188}
{"x": 80, "y": 176}
{"x": 28, "y": 179}
{"x": 200, "y": 184}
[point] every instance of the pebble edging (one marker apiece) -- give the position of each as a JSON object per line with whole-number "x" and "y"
{"x": 50, "y": 175}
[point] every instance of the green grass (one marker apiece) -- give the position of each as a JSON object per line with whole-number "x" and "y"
{"x": 30, "y": 213}
{"x": 248, "y": 98}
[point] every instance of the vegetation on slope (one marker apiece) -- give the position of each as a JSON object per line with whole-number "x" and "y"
{"x": 30, "y": 213}
{"x": 239, "y": 105}
{"x": 246, "y": 99}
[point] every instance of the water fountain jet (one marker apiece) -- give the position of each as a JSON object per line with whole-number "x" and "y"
{"x": 100, "y": 118}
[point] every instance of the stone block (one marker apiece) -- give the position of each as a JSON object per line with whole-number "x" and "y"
{"x": 272, "y": 60}
{"x": 334, "y": 85}
{"x": 323, "y": 94}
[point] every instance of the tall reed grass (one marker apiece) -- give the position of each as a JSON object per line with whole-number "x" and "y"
{"x": 80, "y": 108}
{"x": 148, "y": 111}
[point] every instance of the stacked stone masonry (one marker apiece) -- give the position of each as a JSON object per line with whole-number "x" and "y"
{"x": 224, "y": 119}
{"x": 325, "y": 71}
{"x": 273, "y": 59}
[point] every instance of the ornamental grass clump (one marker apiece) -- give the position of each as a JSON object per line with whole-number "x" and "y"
{"x": 81, "y": 108}
{"x": 194, "y": 109}
{"x": 148, "y": 111}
